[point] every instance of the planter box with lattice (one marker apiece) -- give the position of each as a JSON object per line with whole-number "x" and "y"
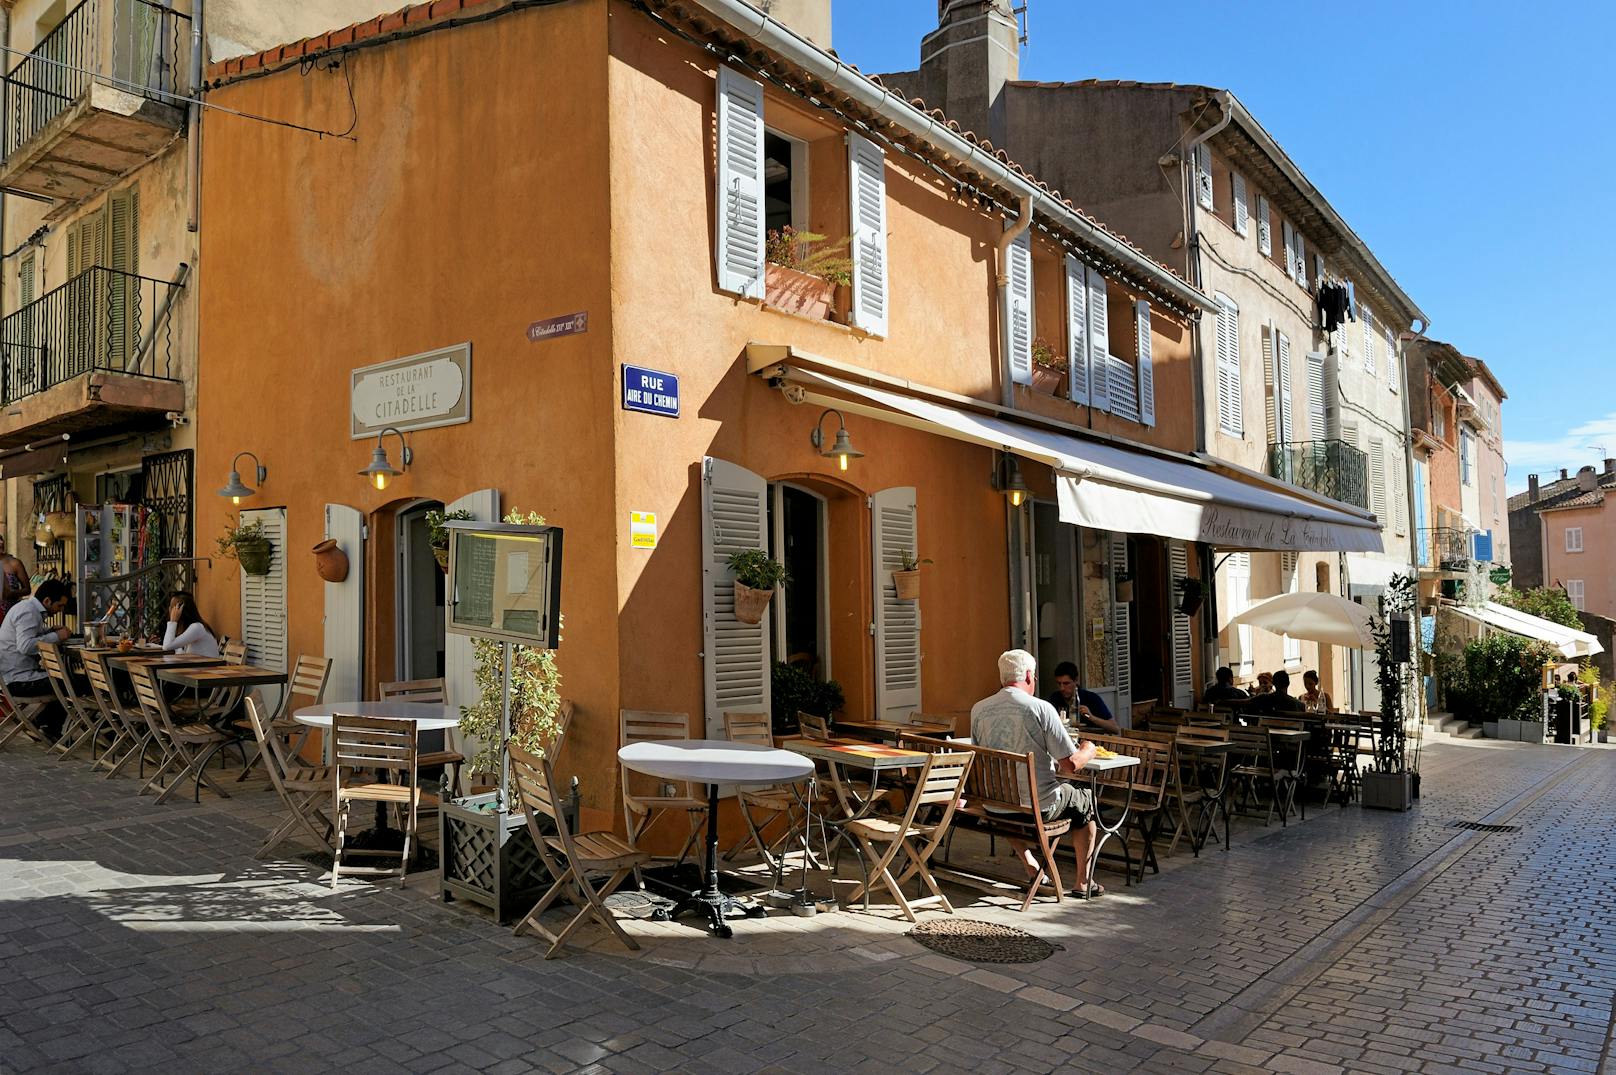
{"x": 489, "y": 857}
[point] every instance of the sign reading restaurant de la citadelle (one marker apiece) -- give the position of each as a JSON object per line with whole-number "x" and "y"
{"x": 418, "y": 392}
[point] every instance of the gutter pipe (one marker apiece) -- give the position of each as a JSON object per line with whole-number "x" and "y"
{"x": 1023, "y": 221}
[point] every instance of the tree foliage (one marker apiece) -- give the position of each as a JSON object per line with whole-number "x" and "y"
{"x": 1545, "y": 602}
{"x": 1494, "y": 678}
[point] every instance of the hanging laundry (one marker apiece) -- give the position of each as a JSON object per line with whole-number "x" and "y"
{"x": 1335, "y": 304}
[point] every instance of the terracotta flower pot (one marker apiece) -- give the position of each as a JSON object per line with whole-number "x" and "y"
{"x": 1047, "y": 380}
{"x": 907, "y": 584}
{"x": 796, "y": 292}
{"x": 750, "y": 603}
{"x": 442, "y": 557}
{"x": 255, "y": 556}
{"x": 330, "y": 561}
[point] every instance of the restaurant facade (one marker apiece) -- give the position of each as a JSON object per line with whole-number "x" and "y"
{"x": 543, "y": 260}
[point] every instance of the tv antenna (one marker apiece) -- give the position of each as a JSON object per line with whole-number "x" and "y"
{"x": 1020, "y": 14}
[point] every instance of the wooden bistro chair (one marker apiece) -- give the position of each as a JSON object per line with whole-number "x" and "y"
{"x": 998, "y": 795}
{"x": 938, "y": 784}
{"x": 190, "y": 745}
{"x": 131, "y": 734}
{"x": 436, "y": 692}
{"x": 305, "y": 688}
{"x": 569, "y": 858}
{"x": 813, "y": 726}
{"x": 647, "y": 799}
{"x": 18, "y": 718}
{"x": 379, "y": 747}
{"x": 84, "y": 725}
{"x": 781, "y": 802}
{"x": 301, "y": 788}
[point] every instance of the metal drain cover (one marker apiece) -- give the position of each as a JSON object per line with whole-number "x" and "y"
{"x": 1478, "y": 826}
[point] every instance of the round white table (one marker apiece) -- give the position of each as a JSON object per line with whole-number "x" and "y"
{"x": 428, "y": 716}
{"x": 714, "y": 762}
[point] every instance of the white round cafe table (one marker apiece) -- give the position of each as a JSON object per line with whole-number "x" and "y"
{"x": 428, "y": 716}
{"x": 713, "y": 762}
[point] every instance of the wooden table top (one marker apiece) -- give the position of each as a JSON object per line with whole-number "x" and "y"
{"x": 221, "y": 675}
{"x": 892, "y": 728}
{"x": 155, "y": 657}
{"x": 1204, "y": 746}
{"x": 856, "y": 752}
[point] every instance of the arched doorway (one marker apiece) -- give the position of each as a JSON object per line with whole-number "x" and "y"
{"x": 418, "y": 596}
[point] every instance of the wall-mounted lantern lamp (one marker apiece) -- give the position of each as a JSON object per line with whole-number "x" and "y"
{"x": 1008, "y": 480}
{"x": 842, "y": 449}
{"x": 381, "y": 470}
{"x": 235, "y": 488}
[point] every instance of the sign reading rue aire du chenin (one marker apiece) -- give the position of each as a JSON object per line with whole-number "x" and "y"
{"x": 651, "y": 391}
{"x": 418, "y": 392}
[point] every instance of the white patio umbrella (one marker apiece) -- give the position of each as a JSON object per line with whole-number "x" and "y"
{"x": 1314, "y": 617}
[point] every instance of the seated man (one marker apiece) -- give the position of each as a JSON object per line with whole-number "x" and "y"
{"x": 1090, "y": 707}
{"x": 1223, "y": 692}
{"x": 1278, "y": 701}
{"x": 20, "y": 635}
{"x": 1015, "y": 719}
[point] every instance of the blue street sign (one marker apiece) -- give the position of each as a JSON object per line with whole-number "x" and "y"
{"x": 651, "y": 391}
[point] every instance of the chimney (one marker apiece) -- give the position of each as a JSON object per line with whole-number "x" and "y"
{"x": 810, "y": 18}
{"x": 966, "y": 61}
{"x": 1563, "y": 474}
{"x": 1610, "y": 466}
{"x": 1587, "y": 480}
{"x": 1531, "y": 488}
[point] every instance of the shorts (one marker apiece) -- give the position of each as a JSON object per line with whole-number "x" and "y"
{"x": 1072, "y": 803}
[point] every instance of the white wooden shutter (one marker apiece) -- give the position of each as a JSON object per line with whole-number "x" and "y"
{"x": 1399, "y": 497}
{"x": 459, "y": 662}
{"x": 1183, "y": 634}
{"x": 1237, "y": 570}
{"x": 1121, "y": 640}
{"x": 1146, "y": 371}
{"x": 739, "y": 205}
{"x": 1574, "y": 591}
{"x": 1020, "y": 256}
{"x": 1288, "y": 237}
{"x": 1368, "y": 320}
{"x": 1203, "y": 174}
{"x": 867, "y": 178}
{"x": 263, "y": 597}
{"x": 897, "y": 623}
{"x": 735, "y": 655}
{"x": 1270, "y": 384}
{"x": 1349, "y": 432}
{"x": 1099, "y": 342}
{"x": 1229, "y": 391}
{"x": 1288, "y": 562}
{"x": 1332, "y": 396}
{"x": 1077, "y": 329}
{"x": 345, "y": 606}
{"x": 1377, "y": 480}
{"x": 25, "y": 280}
{"x": 1242, "y": 217}
{"x": 1265, "y": 233}
{"x": 1300, "y": 259}
{"x": 1282, "y": 372}
{"x": 1124, "y": 388}
{"x": 1392, "y": 365}
{"x": 1317, "y": 426}
{"x": 1318, "y": 268}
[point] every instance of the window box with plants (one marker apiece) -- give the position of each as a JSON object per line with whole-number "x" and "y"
{"x": 1050, "y": 373}
{"x": 801, "y": 272}
{"x": 248, "y": 545}
{"x": 756, "y": 577}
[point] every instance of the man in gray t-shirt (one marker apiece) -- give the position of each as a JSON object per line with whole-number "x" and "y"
{"x": 1017, "y": 720}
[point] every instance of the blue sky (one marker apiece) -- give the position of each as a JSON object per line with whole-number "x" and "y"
{"x": 1469, "y": 144}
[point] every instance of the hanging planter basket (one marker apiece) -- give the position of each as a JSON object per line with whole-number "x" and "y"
{"x": 442, "y": 557}
{"x": 330, "y": 561}
{"x": 750, "y": 604}
{"x": 907, "y": 584}
{"x": 255, "y": 556}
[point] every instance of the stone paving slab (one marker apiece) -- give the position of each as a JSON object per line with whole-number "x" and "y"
{"x": 134, "y": 936}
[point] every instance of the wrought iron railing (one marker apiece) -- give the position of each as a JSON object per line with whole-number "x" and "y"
{"x": 1331, "y": 467}
{"x": 139, "y": 46}
{"x": 101, "y": 319}
{"x": 136, "y": 604}
{"x": 1444, "y": 546}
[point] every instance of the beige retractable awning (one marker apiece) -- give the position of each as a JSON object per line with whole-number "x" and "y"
{"x": 1108, "y": 487}
{"x": 1568, "y": 641}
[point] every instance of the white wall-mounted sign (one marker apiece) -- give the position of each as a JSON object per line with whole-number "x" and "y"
{"x": 418, "y": 392}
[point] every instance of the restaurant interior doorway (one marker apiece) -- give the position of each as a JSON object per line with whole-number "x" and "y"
{"x": 419, "y": 596}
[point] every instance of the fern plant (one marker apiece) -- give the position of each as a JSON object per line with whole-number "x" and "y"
{"x": 801, "y": 250}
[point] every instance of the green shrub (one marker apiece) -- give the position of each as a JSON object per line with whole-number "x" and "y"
{"x": 1494, "y": 678}
{"x": 754, "y": 568}
{"x": 793, "y": 690}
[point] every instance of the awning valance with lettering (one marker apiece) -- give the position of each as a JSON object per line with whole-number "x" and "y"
{"x": 1109, "y": 487}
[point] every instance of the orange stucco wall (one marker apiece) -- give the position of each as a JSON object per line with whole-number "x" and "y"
{"x": 1593, "y": 565}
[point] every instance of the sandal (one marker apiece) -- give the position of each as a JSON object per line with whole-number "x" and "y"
{"x": 1095, "y": 889}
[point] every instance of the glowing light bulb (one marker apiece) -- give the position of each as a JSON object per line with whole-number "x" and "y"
{"x": 842, "y": 459}
{"x": 235, "y": 500}
{"x": 1015, "y": 498}
{"x": 380, "y": 480}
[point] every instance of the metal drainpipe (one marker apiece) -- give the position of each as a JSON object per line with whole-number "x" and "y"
{"x": 1416, "y": 642}
{"x": 1014, "y": 232}
{"x": 193, "y": 121}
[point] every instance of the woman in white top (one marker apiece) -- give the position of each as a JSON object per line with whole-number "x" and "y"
{"x": 187, "y": 631}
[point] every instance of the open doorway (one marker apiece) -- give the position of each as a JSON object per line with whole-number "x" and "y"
{"x": 419, "y": 653}
{"x": 799, "y": 539}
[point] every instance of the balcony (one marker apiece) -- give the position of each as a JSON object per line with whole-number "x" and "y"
{"x": 1332, "y": 468}
{"x": 95, "y": 98}
{"x": 1444, "y": 549}
{"x": 95, "y": 353}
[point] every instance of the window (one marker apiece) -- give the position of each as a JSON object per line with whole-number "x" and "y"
{"x": 1230, "y": 399}
{"x": 1377, "y": 480}
{"x": 1242, "y": 218}
{"x": 1439, "y": 420}
{"x": 798, "y": 538}
{"x": 785, "y": 182}
{"x": 1392, "y": 368}
{"x": 1265, "y": 229}
{"x": 1367, "y": 318}
{"x": 1299, "y": 260}
{"x": 1237, "y": 570}
{"x": 1464, "y": 456}
{"x": 1574, "y": 591}
{"x": 1288, "y": 584}
{"x": 1287, "y": 236}
{"x": 1318, "y": 424}
{"x": 1573, "y": 539}
{"x": 1203, "y": 175}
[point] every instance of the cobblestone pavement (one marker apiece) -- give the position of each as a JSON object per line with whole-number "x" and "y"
{"x": 137, "y": 937}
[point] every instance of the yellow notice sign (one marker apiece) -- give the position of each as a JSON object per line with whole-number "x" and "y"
{"x": 642, "y": 529}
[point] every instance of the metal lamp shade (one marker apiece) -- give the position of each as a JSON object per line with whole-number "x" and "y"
{"x": 380, "y": 471}
{"x": 235, "y": 488}
{"x": 842, "y": 450}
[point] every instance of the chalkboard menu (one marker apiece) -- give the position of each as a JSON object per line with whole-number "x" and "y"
{"x": 505, "y": 582}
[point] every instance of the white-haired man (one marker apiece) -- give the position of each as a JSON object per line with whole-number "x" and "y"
{"x": 1017, "y": 720}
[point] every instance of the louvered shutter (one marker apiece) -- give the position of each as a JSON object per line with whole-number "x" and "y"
{"x": 1270, "y": 385}
{"x": 1318, "y": 268}
{"x": 1147, "y": 372}
{"x": 1317, "y": 426}
{"x": 1288, "y": 237}
{"x": 1349, "y": 432}
{"x": 25, "y": 280}
{"x": 1300, "y": 259}
{"x": 1099, "y": 342}
{"x": 1077, "y": 329}
{"x": 344, "y": 636}
{"x": 897, "y": 623}
{"x": 263, "y": 597}
{"x": 123, "y": 242}
{"x": 1237, "y": 569}
{"x": 1242, "y": 219}
{"x": 1287, "y": 584}
{"x": 1368, "y": 320}
{"x": 867, "y": 166}
{"x": 1392, "y": 365}
{"x": 1332, "y": 397}
{"x": 1124, "y": 388}
{"x": 1229, "y": 391}
{"x": 735, "y": 655}
{"x": 740, "y": 184}
{"x": 1021, "y": 314}
{"x": 75, "y": 238}
{"x": 1183, "y": 635}
{"x": 459, "y": 661}
{"x": 1283, "y": 375}
{"x": 1265, "y": 233}
{"x": 1121, "y": 636}
{"x": 1203, "y": 174}
{"x": 1377, "y": 480}
{"x": 1399, "y": 498}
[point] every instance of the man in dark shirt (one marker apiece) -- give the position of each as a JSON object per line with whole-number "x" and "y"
{"x": 1089, "y": 707}
{"x": 1223, "y": 692}
{"x": 1278, "y": 701}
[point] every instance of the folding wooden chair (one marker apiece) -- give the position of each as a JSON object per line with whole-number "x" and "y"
{"x": 647, "y": 799}
{"x": 385, "y": 746}
{"x": 570, "y": 859}
{"x": 813, "y": 726}
{"x": 193, "y": 743}
{"x": 939, "y": 784}
{"x": 301, "y": 788}
{"x": 131, "y": 736}
{"x": 434, "y": 691}
{"x": 18, "y": 718}
{"x": 83, "y": 724}
{"x": 305, "y": 688}
{"x": 784, "y": 801}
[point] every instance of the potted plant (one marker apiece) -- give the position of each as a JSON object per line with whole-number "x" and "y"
{"x": 438, "y": 534}
{"x": 756, "y": 576}
{"x": 794, "y": 690}
{"x": 800, "y": 275}
{"x": 247, "y": 544}
{"x": 907, "y": 579}
{"x": 1049, "y": 370}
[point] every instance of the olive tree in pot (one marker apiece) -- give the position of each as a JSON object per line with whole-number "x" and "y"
{"x": 756, "y": 576}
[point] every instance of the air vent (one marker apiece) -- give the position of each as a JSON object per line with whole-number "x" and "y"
{"x": 1477, "y": 826}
